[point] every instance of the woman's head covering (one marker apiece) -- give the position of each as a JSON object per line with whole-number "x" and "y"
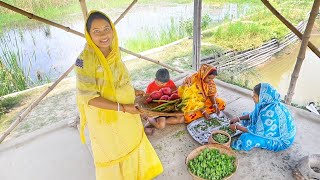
{"x": 207, "y": 88}
{"x": 271, "y": 119}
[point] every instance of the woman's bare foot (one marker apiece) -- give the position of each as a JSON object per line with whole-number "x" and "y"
{"x": 149, "y": 130}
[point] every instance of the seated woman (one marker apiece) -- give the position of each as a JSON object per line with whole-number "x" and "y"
{"x": 204, "y": 80}
{"x": 270, "y": 126}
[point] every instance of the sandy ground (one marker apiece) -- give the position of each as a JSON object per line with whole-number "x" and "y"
{"x": 55, "y": 151}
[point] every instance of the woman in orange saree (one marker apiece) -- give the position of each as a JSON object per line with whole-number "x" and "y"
{"x": 204, "y": 80}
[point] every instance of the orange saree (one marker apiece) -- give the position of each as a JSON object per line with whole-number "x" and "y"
{"x": 208, "y": 89}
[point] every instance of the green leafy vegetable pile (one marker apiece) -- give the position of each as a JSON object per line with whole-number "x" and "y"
{"x": 213, "y": 165}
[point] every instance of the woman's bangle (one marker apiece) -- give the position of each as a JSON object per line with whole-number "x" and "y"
{"x": 118, "y": 107}
{"x": 238, "y": 119}
{"x": 204, "y": 111}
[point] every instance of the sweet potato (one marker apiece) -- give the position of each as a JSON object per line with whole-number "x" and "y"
{"x": 173, "y": 97}
{"x": 166, "y": 91}
{"x": 156, "y": 95}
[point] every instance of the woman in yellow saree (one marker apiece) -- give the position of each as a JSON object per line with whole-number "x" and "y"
{"x": 105, "y": 99}
{"x": 205, "y": 83}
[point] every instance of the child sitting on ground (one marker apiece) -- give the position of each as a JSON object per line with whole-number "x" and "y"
{"x": 162, "y": 80}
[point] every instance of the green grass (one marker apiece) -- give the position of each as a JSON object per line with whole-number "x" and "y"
{"x": 253, "y": 31}
{"x": 13, "y": 77}
{"x": 148, "y": 39}
{"x": 5, "y": 105}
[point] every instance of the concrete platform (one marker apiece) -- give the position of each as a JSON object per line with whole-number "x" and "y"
{"x": 56, "y": 153}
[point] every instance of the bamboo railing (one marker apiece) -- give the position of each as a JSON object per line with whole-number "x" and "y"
{"x": 84, "y": 9}
{"x": 252, "y": 57}
{"x": 125, "y": 12}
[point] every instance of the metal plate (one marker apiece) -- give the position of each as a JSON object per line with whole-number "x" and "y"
{"x": 201, "y": 129}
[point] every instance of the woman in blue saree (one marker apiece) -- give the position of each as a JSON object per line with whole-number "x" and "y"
{"x": 270, "y": 126}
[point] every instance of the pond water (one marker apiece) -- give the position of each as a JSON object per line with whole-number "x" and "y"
{"x": 278, "y": 72}
{"x": 49, "y": 51}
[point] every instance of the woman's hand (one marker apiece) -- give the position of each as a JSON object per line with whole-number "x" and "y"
{"x": 131, "y": 108}
{"x": 206, "y": 115}
{"x": 233, "y": 127}
{"x": 139, "y": 92}
{"x": 234, "y": 120}
{"x": 216, "y": 108}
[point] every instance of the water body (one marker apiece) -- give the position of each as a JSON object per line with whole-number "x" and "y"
{"x": 278, "y": 72}
{"x": 50, "y": 51}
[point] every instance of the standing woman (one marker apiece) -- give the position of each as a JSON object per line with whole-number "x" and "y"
{"x": 105, "y": 99}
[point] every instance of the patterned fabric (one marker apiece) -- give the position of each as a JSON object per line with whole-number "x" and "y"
{"x": 120, "y": 147}
{"x": 207, "y": 89}
{"x": 79, "y": 63}
{"x": 271, "y": 125}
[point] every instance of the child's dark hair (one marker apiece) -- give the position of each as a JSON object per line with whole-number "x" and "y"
{"x": 163, "y": 75}
{"x": 257, "y": 88}
{"x": 93, "y": 16}
{"x": 214, "y": 72}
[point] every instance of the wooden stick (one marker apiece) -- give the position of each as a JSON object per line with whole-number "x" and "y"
{"x": 35, "y": 103}
{"x": 302, "y": 51}
{"x": 125, "y": 12}
{"x": 84, "y": 9}
{"x": 289, "y": 25}
{"x": 32, "y": 16}
{"x": 149, "y": 59}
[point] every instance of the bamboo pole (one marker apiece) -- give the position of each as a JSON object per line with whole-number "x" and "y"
{"x": 290, "y": 26}
{"x": 84, "y": 9}
{"x": 34, "y": 104}
{"x": 126, "y": 11}
{"x": 302, "y": 51}
{"x": 196, "y": 34}
{"x": 149, "y": 59}
{"x": 31, "y": 16}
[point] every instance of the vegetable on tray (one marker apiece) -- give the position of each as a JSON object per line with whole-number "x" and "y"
{"x": 220, "y": 138}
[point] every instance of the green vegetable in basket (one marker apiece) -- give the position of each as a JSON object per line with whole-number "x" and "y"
{"x": 211, "y": 164}
{"x": 220, "y": 138}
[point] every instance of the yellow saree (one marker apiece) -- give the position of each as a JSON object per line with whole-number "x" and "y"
{"x": 120, "y": 147}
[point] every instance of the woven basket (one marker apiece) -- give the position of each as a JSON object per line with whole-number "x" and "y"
{"x": 221, "y": 148}
{"x": 146, "y": 108}
{"x": 212, "y": 141}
